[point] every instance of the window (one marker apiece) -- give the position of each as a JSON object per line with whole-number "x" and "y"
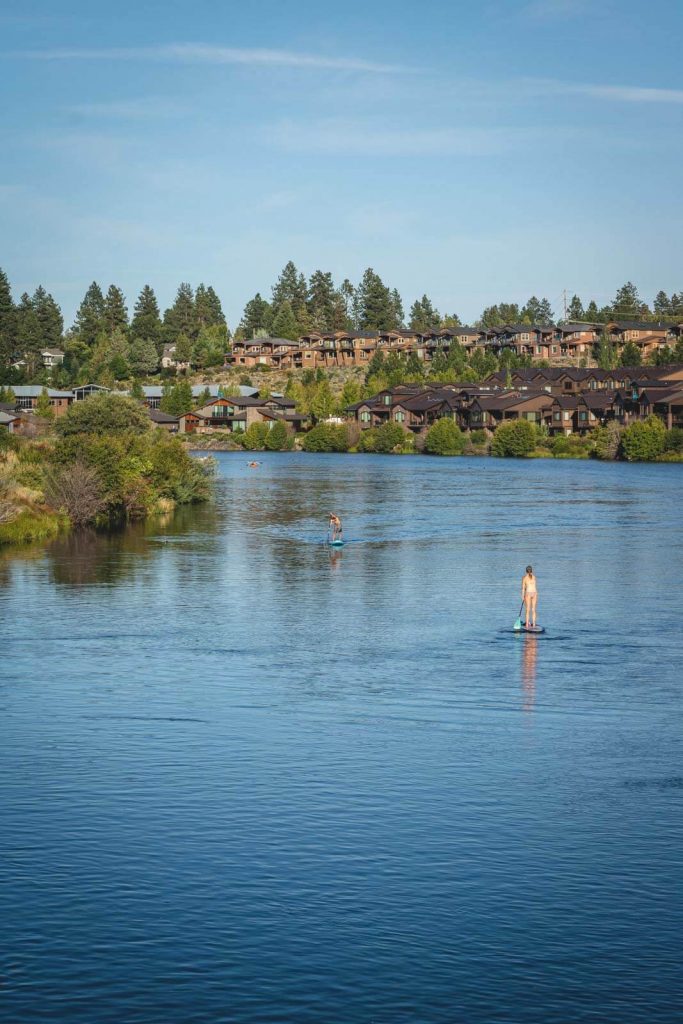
{"x": 566, "y": 415}
{"x": 399, "y": 417}
{"x": 567, "y": 385}
{"x": 387, "y": 399}
{"x": 554, "y": 349}
{"x": 583, "y": 416}
{"x": 557, "y": 416}
{"x": 524, "y": 337}
{"x": 365, "y": 417}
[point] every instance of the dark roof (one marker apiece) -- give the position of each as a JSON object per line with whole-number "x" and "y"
{"x": 157, "y": 416}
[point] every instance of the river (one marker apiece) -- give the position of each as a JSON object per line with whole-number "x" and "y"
{"x": 250, "y": 779}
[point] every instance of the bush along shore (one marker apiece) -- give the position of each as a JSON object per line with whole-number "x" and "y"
{"x": 642, "y": 441}
{"x": 104, "y": 465}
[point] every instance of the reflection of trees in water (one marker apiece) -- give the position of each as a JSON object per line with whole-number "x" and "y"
{"x": 105, "y": 557}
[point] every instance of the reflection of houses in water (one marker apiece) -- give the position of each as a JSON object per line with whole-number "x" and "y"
{"x": 529, "y": 656}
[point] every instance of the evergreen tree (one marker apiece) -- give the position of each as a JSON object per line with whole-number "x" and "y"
{"x": 277, "y": 437}
{"x": 347, "y": 294}
{"x": 397, "y": 310}
{"x": 257, "y": 316}
{"x": 29, "y": 337}
{"x": 530, "y": 313}
{"x": 136, "y": 391}
{"x": 575, "y": 310}
{"x": 375, "y": 366}
{"x": 8, "y": 323}
{"x": 545, "y": 313}
{"x": 322, "y": 301}
{"x": 143, "y": 357}
{"x": 285, "y": 324}
{"x": 217, "y": 317}
{"x": 662, "y": 305}
{"x": 90, "y": 316}
{"x": 676, "y": 309}
{"x": 115, "y": 316}
{"x": 592, "y": 313}
{"x": 375, "y": 308}
{"x": 183, "y": 349}
{"x": 423, "y": 317}
{"x": 627, "y": 304}
{"x": 49, "y": 317}
{"x": 451, "y": 320}
{"x": 290, "y": 287}
{"x": 180, "y": 317}
{"x": 497, "y": 316}
{"x": 630, "y": 355}
{"x": 43, "y": 407}
{"x": 146, "y": 323}
{"x": 605, "y": 353}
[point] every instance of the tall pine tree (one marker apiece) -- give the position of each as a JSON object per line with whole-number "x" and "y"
{"x": 285, "y": 323}
{"x": 575, "y": 310}
{"x": 49, "y": 317}
{"x": 8, "y": 323}
{"x": 29, "y": 334}
{"x": 322, "y": 301}
{"x": 90, "y": 316}
{"x": 115, "y": 312}
{"x": 257, "y": 316}
{"x": 146, "y": 323}
{"x": 180, "y": 318}
{"x": 375, "y": 308}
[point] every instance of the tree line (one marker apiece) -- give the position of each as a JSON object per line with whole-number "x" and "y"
{"x": 105, "y": 343}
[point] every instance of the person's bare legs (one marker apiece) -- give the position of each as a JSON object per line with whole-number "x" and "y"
{"x": 527, "y": 601}
{"x": 534, "y": 599}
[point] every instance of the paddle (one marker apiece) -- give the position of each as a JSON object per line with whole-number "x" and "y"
{"x": 518, "y": 621}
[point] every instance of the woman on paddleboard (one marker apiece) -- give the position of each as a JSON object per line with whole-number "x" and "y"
{"x": 529, "y": 596}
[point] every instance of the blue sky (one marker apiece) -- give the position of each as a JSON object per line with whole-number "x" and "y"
{"x": 476, "y": 151}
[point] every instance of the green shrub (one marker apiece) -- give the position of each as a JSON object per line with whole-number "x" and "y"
{"x": 277, "y": 437}
{"x": 644, "y": 441}
{"x": 478, "y": 437}
{"x": 104, "y": 414}
{"x": 514, "y": 439}
{"x": 673, "y": 442}
{"x": 326, "y": 437}
{"x": 382, "y": 439}
{"x": 445, "y": 438}
{"x": 254, "y": 439}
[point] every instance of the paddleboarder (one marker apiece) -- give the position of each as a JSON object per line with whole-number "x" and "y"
{"x": 335, "y": 528}
{"x": 529, "y": 596}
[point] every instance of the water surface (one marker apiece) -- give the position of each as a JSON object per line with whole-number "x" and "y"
{"x": 249, "y": 779}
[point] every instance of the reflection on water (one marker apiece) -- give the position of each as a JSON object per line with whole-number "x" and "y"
{"x": 529, "y": 659}
{"x": 249, "y": 777}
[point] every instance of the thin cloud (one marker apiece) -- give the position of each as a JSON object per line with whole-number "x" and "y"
{"x": 619, "y": 93}
{"x": 338, "y": 136}
{"x": 134, "y": 109}
{"x": 199, "y": 53}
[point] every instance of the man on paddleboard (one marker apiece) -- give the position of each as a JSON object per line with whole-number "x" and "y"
{"x": 529, "y": 596}
{"x": 335, "y": 527}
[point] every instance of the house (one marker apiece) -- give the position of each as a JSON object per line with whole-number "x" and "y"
{"x": 8, "y": 421}
{"x": 86, "y": 390}
{"x": 492, "y": 410}
{"x": 574, "y": 340}
{"x": 164, "y": 421}
{"x": 27, "y": 396}
{"x": 52, "y": 357}
{"x": 235, "y": 413}
{"x": 648, "y": 336}
{"x": 169, "y": 361}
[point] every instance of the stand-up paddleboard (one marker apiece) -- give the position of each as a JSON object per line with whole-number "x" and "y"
{"x": 336, "y": 543}
{"x": 528, "y": 629}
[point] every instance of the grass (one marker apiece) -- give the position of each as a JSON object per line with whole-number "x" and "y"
{"x": 30, "y": 526}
